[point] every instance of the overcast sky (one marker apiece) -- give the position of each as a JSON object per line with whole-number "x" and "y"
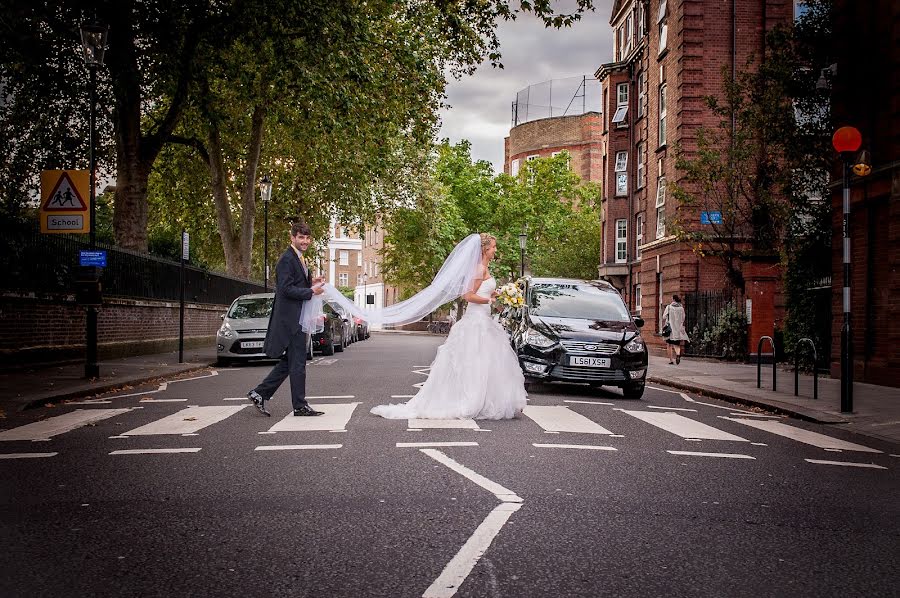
{"x": 480, "y": 105}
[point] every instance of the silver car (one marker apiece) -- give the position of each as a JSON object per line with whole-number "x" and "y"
{"x": 243, "y": 330}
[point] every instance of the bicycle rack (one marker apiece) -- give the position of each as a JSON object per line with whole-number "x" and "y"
{"x": 797, "y": 367}
{"x": 759, "y": 362}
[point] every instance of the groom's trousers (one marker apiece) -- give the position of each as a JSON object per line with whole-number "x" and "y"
{"x": 293, "y": 364}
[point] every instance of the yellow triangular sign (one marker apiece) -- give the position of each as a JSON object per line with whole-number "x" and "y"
{"x": 64, "y": 197}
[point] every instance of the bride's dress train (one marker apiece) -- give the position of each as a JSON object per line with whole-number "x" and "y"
{"x": 475, "y": 374}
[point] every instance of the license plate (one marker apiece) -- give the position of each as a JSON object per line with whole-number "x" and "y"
{"x": 252, "y": 344}
{"x": 591, "y": 362}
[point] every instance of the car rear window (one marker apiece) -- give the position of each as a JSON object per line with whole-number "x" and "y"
{"x": 577, "y": 301}
{"x": 243, "y": 309}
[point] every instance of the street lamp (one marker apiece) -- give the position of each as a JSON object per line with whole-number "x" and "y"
{"x": 265, "y": 191}
{"x": 847, "y": 140}
{"x": 523, "y": 238}
{"x": 93, "y": 42}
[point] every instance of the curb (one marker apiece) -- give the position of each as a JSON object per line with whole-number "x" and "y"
{"x": 104, "y": 388}
{"x": 810, "y": 415}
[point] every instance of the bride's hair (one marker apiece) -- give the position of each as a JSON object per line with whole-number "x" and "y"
{"x": 486, "y": 239}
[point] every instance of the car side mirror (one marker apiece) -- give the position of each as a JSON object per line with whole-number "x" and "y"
{"x": 222, "y": 317}
{"x": 639, "y": 322}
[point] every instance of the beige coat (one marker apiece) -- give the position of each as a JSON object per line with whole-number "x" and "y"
{"x": 674, "y": 315}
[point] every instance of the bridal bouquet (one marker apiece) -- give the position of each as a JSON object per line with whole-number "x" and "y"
{"x": 510, "y": 295}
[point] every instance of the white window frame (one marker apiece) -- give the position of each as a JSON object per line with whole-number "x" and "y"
{"x": 618, "y": 118}
{"x": 663, "y": 24}
{"x": 642, "y": 94}
{"x": 344, "y": 257}
{"x": 662, "y": 114}
{"x": 660, "y": 222}
{"x": 621, "y": 184}
{"x": 568, "y": 157}
{"x": 621, "y": 161}
{"x": 360, "y": 279}
{"x": 532, "y": 157}
{"x": 638, "y": 235}
{"x": 621, "y": 241}
{"x": 641, "y": 174}
{"x": 621, "y": 94}
{"x": 629, "y": 34}
{"x": 637, "y": 299}
{"x": 343, "y": 279}
{"x": 359, "y": 258}
{"x": 514, "y": 167}
{"x": 641, "y": 20}
{"x": 618, "y": 44}
{"x": 661, "y": 192}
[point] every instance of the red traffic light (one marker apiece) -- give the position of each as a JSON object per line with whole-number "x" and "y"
{"x": 846, "y": 139}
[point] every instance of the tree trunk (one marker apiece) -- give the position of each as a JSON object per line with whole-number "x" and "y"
{"x": 230, "y": 241}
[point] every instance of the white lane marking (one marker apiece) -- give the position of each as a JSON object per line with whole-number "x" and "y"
{"x": 333, "y": 397}
{"x": 424, "y": 444}
{"x": 413, "y": 429}
{"x": 149, "y": 400}
{"x": 830, "y": 450}
{"x": 209, "y": 375}
{"x": 59, "y": 424}
{"x": 801, "y": 435}
{"x": 729, "y": 408}
{"x": 294, "y": 447}
{"x": 236, "y": 399}
{"x": 336, "y": 417}
{"x": 161, "y": 388}
{"x": 154, "y": 451}
{"x": 759, "y": 444}
{"x": 494, "y": 488}
{"x": 770, "y": 415}
{"x": 186, "y": 421}
{"x": 88, "y": 402}
{"x": 674, "y": 392}
{"x": 845, "y": 463}
{"x": 459, "y": 567}
{"x": 895, "y": 455}
{"x": 724, "y": 455}
{"x": 324, "y": 361}
{"x": 559, "y": 418}
{"x": 586, "y": 402}
{"x": 467, "y": 424}
{"x": 418, "y": 384}
{"x": 26, "y": 455}
{"x": 402, "y": 396}
{"x": 683, "y": 426}
{"x": 120, "y": 437}
{"x": 671, "y": 408}
{"x": 576, "y": 446}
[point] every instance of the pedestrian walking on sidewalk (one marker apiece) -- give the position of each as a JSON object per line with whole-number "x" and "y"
{"x": 677, "y": 337}
{"x": 284, "y": 338}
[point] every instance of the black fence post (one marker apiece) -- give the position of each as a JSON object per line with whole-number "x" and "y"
{"x": 759, "y": 363}
{"x": 797, "y": 367}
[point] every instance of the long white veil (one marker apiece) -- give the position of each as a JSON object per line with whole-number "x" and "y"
{"x": 453, "y": 280}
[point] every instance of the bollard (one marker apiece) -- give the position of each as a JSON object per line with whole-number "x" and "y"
{"x": 759, "y": 362}
{"x": 797, "y": 368}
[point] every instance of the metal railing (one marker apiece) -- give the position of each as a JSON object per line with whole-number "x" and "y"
{"x": 759, "y": 363}
{"x": 797, "y": 367}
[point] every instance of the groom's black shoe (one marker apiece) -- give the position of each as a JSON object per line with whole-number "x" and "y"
{"x": 307, "y": 411}
{"x": 259, "y": 402}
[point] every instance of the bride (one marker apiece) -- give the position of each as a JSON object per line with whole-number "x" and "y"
{"x": 475, "y": 374}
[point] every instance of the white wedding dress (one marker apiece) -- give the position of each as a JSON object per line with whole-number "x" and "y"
{"x": 475, "y": 374}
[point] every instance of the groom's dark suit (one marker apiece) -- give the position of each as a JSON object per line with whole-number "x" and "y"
{"x": 284, "y": 338}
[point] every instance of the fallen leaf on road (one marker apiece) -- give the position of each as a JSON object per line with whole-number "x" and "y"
{"x": 190, "y": 419}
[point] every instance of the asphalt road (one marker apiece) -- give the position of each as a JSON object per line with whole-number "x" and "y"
{"x": 527, "y": 508}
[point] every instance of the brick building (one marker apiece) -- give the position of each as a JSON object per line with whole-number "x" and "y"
{"x": 866, "y": 95}
{"x": 371, "y": 290}
{"x": 578, "y": 134}
{"x": 341, "y": 263}
{"x": 668, "y": 56}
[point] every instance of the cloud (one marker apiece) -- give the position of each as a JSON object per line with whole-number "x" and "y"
{"x": 481, "y": 105}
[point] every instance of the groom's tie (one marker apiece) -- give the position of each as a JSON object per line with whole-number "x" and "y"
{"x": 303, "y": 263}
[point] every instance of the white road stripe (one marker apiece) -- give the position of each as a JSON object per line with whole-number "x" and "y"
{"x": 424, "y": 444}
{"x": 89, "y": 402}
{"x": 154, "y": 451}
{"x": 729, "y": 408}
{"x": 468, "y": 424}
{"x": 801, "y": 435}
{"x": 671, "y": 408}
{"x": 683, "y": 426}
{"x": 576, "y": 446}
{"x": 402, "y": 396}
{"x": 293, "y": 447}
{"x": 459, "y": 567}
{"x": 26, "y": 455}
{"x": 236, "y": 399}
{"x": 559, "y": 418}
{"x": 333, "y": 397}
{"x": 586, "y": 402}
{"x": 725, "y": 455}
{"x": 845, "y": 463}
{"x": 769, "y": 415}
{"x": 163, "y": 401}
{"x": 59, "y": 424}
{"x": 336, "y": 417}
{"x": 186, "y": 421}
{"x": 493, "y": 487}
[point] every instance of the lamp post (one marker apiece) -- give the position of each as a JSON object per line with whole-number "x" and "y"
{"x": 365, "y": 290}
{"x": 523, "y": 238}
{"x": 847, "y": 140}
{"x": 93, "y": 43}
{"x": 265, "y": 191}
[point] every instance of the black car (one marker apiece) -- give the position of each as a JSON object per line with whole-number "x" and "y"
{"x": 333, "y": 337}
{"x": 578, "y": 331}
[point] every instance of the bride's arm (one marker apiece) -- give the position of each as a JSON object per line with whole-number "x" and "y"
{"x": 472, "y": 296}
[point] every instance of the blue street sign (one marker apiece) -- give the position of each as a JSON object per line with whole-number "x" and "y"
{"x": 710, "y": 217}
{"x": 92, "y": 258}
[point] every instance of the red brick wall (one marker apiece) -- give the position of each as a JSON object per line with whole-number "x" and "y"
{"x": 579, "y": 135}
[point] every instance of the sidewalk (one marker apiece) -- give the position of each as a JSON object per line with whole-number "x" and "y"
{"x": 876, "y": 409}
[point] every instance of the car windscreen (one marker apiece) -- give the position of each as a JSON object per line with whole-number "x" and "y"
{"x": 577, "y": 301}
{"x": 259, "y": 307}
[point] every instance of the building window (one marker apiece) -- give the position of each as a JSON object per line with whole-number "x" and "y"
{"x": 621, "y": 173}
{"x": 641, "y": 166}
{"x": 621, "y": 241}
{"x": 360, "y": 279}
{"x": 345, "y": 258}
{"x": 618, "y": 42}
{"x": 514, "y": 167}
{"x": 376, "y": 268}
{"x": 343, "y": 279}
{"x": 637, "y": 299}
{"x": 642, "y": 94}
{"x": 638, "y": 235}
{"x": 663, "y": 26}
{"x": 622, "y": 94}
{"x": 661, "y": 207}
{"x": 532, "y": 157}
{"x": 618, "y": 118}
{"x": 641, "y": 20}
{"x": 568, "y": 157}
{"x": 629, "y": 34}
{"x": 662, "y": 115}
{"x": 359, "y": 258}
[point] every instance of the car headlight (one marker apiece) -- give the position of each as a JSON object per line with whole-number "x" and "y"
{"x": 536, "y": 339}
{"x": 226, "y": 331}
{"x": 635, "y": 345}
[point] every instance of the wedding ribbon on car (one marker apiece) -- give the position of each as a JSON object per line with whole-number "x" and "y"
{"x": 453, "y": 280}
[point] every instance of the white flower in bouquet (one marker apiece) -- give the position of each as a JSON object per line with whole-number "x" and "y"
{"x": 511, "y": 295}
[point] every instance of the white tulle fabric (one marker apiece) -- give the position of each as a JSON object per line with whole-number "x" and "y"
{"x": 475, "y": 374}
{"x": 453, "y": 280}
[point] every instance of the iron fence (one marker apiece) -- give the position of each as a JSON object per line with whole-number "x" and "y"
{"x": 47, "y": 264}
{"x": 716, "y": 321}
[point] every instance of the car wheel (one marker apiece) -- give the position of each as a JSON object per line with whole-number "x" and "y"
{"x": 328, "y": 348}
{"x": 339, "y": 347}
{"x": 223, "y": 362}
{"x": 633, "y": 391}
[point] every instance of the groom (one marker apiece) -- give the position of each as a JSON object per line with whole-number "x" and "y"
{"x": 284, "y": 338}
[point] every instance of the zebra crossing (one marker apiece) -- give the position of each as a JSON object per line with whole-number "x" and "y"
{"x": 341, "y": 416}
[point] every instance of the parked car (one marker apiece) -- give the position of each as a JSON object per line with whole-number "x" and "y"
{"x": 333, "y": 337}
{"x": 578, "y": 331}
{"x": 243, "y": 330}
{"x": 349, "y": 324}
{"x": 362, "y": 328}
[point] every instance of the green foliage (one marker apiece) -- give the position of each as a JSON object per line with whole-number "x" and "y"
{"x": 728, "y": 338}
{"x": 347, "y": 292}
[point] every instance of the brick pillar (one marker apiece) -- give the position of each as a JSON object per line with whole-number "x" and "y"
{"x": 762, "y": 278}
